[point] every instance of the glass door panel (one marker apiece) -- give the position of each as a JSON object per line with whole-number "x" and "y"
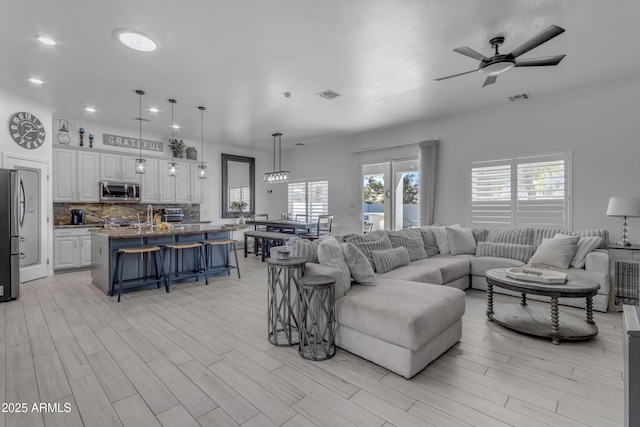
{"x": 376, "y": 180}
{"x": 406, "y": 202}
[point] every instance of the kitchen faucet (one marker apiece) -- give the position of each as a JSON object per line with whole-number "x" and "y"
{"x": 150, "y": 215}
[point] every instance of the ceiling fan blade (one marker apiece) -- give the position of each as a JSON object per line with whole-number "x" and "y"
{"x": 456, "y": 75}
{"x": 467, "y": 51}
{"x": 546, "y": 35}
{"x": 540, "y": 62}
{"x": 490, "y": 80}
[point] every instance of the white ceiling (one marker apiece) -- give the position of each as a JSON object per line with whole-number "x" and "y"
{"x": 238, "y": 58}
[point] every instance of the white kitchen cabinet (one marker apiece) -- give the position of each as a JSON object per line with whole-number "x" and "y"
{"x": 71, "y": 248}
{"x": 118, "y": 168}
{"x": 167, "y": 184}
{"x": 183, "y": 183}
{"x": 149, "y": 186}
{"x": 197, "y": 185}
{"x": 75, "y": 176}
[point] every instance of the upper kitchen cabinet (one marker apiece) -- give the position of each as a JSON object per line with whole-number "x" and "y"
{"x": 117, "y": 168}
{"x": 75, "y": 176}
{"x": 189, "y": 188}
{"x": 150, "y": 185}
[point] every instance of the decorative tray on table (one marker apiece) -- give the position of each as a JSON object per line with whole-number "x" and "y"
{"x": 540, "y": 275}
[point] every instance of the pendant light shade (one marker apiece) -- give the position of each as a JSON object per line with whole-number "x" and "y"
{"x": 141, "y": 164}
{"x": 281, "y": 175}
{"x": 173, "y": 167}
{"x": 202, "y": 169}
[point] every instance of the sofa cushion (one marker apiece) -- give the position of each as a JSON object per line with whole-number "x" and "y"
{"x": 451, "y": 267}
{"x": 407, "y": 314}
{"x": 330, "y": 254}
{"x": 505, "y": 250}
{"x": 369, "y": 242}
{"x": 480, "y": 264}
{"x": 585, "y": 245}
{"x": 555, "y": 252}
{"x": 548, "y": 233}
{"x": 515, "y": 235}
{"x": 461, "y": 240}
{"x": 480, "y": 234}
{"x": 303, "y": 248}
{"x": 389, "y": 259}
{"x": 414, "y": 273}
{"x": 358, "y": 264}
{"x": 411, "y": 239}
{"x": 429, "y": 240}
{"x": 441, "y": 238}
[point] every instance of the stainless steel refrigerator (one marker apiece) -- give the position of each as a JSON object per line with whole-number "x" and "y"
{"x": 10, "y": 212}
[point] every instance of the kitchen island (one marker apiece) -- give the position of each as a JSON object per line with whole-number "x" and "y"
{"x": 106, "y": 241}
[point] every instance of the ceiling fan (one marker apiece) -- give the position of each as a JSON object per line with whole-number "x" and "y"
{"x": 500, "y": 63}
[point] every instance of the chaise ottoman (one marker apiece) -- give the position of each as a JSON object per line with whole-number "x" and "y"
{"x": 400, "y": 325}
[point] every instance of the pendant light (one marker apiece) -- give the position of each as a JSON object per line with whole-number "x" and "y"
{"x": 141, "y": 164}
{"x": 202, "y": 169}
{"x": 277, "y": 176}
{"x": 173, "y": 167}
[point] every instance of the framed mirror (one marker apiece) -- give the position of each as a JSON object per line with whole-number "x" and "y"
{"x": 238, "y": 184}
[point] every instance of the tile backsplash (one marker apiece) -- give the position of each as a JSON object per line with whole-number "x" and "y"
{"x": 102, "y": 212}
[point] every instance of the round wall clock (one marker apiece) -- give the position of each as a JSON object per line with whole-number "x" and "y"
{"x": 26, "y": 130}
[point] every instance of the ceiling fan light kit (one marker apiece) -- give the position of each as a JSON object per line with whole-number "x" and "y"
{"x": 500, "y": 63}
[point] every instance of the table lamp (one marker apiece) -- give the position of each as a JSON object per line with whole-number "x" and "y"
{"x": 624, "y": 207}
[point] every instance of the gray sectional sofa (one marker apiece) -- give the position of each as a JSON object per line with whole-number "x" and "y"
{"x": 391, "y": 306}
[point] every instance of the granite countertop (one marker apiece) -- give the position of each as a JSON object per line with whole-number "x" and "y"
{"x": 100, "y": 225}
{"x": 148, "y": 232}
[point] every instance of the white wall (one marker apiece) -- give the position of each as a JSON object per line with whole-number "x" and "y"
{"x": 600, "y": 126}
{"x": 10, "y": 104}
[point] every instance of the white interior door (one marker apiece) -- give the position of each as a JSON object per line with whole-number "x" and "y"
{"x": 34, "y": 229}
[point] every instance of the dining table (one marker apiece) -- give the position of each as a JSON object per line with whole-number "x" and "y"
{"x": 283, "y": 225}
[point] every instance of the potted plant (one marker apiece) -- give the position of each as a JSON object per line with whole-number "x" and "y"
{"x": 177, "y": 145}
{"x": 239, "y": 206}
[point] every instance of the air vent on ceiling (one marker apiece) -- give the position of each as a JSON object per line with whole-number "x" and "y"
{"x": 141, "y": 119}
{"x": 520, "y": 97}
{"x": 329, "y": 94}
{"x": 300, "y": 144}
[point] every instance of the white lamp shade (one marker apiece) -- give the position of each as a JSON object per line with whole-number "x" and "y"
{"x": 624, "y": 206}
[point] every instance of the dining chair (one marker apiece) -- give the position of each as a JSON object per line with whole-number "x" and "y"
{"x": 323, "y": 227}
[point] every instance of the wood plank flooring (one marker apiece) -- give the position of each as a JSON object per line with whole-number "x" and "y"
{"x": 200, "y": 356}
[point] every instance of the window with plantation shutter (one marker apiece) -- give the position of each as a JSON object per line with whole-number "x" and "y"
{"x": 237, "y": 194}
{"x": 523, "y": 192}
{"x": 308, "y": 198}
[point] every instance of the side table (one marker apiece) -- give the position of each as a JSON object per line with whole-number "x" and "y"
{"x": 317, "y": 330}
{"x": 282, "y": 298}
{"x": 624, "y": 276}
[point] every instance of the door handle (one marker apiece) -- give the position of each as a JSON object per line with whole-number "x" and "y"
{"x": 21, "y": 239}
{"x": 22, "y": 255}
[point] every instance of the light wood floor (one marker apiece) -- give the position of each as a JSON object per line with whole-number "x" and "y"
{"x": 199, "y": 356}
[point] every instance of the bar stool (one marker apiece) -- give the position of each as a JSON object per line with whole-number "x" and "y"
{"x": 316, "y": 317}
{"x": 198, "y": 258}
{"x": 158, "y": 261}
{"x": 228, "y": 245}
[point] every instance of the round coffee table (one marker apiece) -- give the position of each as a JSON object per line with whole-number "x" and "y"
{"x": 535, "y": 320}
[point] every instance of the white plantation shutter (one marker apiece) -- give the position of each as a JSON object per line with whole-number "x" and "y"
{"x": 491, "y": 194}
{"x": 308, "y": 198}
{"x": 542, "y": 192}
{"x": 524, "y": 192}
{"x": 237, "y": 194}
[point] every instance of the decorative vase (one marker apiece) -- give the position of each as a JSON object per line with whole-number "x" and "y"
{"x": 177, "y": 153}
{"x": 192, "y": 153}
{"x": 241, "y": 219}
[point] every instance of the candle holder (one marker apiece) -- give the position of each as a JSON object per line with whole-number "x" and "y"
{"x": 81, "y": 132}
{"x": 90, "y": 140}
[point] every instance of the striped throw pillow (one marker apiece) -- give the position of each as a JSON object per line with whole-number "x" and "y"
{"x": 585, "y": 245}
{"x": 389, "y": 259}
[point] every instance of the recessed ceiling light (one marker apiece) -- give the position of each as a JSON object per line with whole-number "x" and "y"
{"x": 135, "y": 40}
{"x": 90, "y": 109}
{"x": 175, "y": 126}
{"x": 36, "y": 81}
{"x": 46, "y": 40}
{"x": 153, "y": 110}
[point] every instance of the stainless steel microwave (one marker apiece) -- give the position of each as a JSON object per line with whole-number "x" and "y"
{"x": 119, "y": 192}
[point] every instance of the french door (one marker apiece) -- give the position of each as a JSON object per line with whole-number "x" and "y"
{"x": 390, "y": 195}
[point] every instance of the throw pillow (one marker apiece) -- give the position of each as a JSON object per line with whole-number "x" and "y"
{"x": 429, "y": 240}
{"x": 585, "y": 245}
{"x": 516, "y": 235}
{"x": 460, "y": 240}
{"x": 330, "y": 254}
{"x": 369, "y": 242}
{"x": 389, "y": 259}
{"x": 358, "y": 264}
{"x": 303, "y": 248}
{"x": 505, "y": 250}
{"x": 411, "y": 239}
{"x": 441, "y": 238}
{"x": 555, "y": 252}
